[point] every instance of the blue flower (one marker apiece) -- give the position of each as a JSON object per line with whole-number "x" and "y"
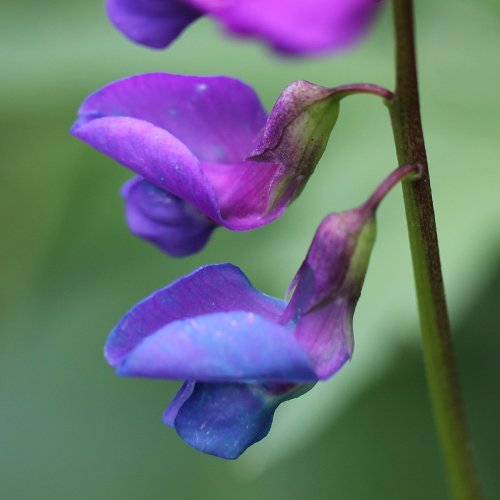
{"x": 240, "y": 352}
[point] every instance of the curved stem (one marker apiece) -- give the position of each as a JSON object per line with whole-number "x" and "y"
{"x": 364, "y": 88}
{"x": 387, "y": 184}
{"x": 435, "y": 328}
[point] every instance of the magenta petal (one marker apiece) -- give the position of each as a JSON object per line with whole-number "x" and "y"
{"x": 220, "y": 347}
{"x": 155, "y": 23}
{"x": 154, "y": 154}
{"x": 216, "y": 117}
{"x": 210, "y": 289}
{"x": 165, "y": 220}
{"x": 244, "y": 193}
{"x": 295, "y": 26}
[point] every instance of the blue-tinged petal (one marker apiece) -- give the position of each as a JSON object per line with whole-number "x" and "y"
{"x": 218, "y": 118}
{"x": 225, "y": 419}
{"x": 155, "y": 23}
{"x": 220, "y": 347}
{"x": 165, "y": 220}
{"x": 210, "y": 289}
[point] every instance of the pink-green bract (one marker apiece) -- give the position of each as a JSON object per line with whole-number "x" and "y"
{"x": 294, "y": 27}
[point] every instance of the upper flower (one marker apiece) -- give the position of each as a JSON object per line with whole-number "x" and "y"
{"x": 210, "y": 149}
{"x": 291, "y": 26}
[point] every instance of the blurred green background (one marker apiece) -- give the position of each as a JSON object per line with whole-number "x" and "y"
{"x": 71, "y": 429}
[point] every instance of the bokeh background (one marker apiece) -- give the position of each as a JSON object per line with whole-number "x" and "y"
{"x": 71, "y": 429}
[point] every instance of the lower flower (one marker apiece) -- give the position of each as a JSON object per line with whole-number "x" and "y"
{"x": 240, "y": 352}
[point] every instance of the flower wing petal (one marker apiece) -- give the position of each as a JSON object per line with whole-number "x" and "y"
{"x": 154, "y": 154}
{"x": 210, "y": 289}
{"x": 165, "y": 220}
{"x": 220, "y": 347}
{"x": 155, "y": 23}
{"x": 218, "y": 118}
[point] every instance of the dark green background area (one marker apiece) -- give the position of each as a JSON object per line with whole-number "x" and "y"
{"x": 71, "y": 429}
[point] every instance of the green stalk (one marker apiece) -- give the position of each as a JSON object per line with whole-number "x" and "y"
{"x": 434, "y": 322}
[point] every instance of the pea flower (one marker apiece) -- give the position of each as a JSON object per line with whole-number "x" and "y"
{"x": 206, "y": 152}
{"x": 292, "y": 26}
{"x": 240, "y": 352}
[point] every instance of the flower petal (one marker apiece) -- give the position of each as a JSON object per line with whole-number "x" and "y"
{"x": 220, "y": 347}
{"x": 225, "y": 419}
{"x": 210, "y": 289}
{"x": 154, "y": 154}
{"x": 155, "y": 23}
{"x": 216, "y": 117}
{"x": 326, "y": 335}
{"x": 328, "y": 286}
{"x": 163, "y": 219}
{"x": 244, "y": 193}
{"x": 296, "y": 26}
{"x": 175, "y": 405}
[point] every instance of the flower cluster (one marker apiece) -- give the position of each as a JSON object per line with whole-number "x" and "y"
{"x": 206, "y": 154}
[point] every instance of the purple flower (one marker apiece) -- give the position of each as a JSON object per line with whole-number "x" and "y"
{"x": 241, "y": 352}
{"x": 207, "y": 152}
{"x": 291, "y": 26}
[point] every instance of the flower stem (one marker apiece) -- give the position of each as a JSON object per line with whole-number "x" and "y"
{"x": 435, "y": 328}
{"x": 397, "y": 175}
{"x": 363, "y": 88}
